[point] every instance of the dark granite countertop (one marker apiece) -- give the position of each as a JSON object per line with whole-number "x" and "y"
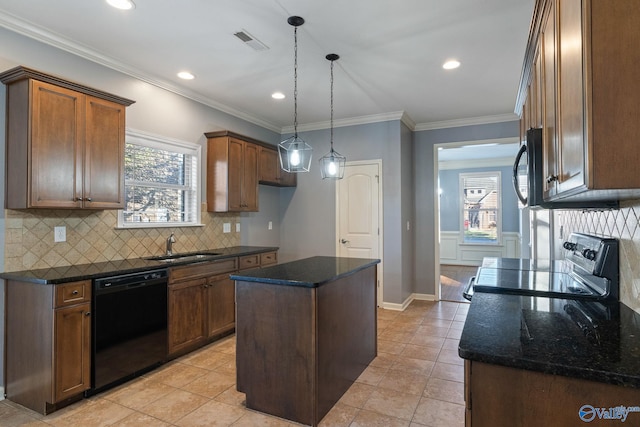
{"x": 309, "y": 272}
{"x": 581, "y": 339}
{"x": 72, "y": 273}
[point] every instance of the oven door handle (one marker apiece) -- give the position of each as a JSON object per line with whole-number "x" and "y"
{"x": 467, "y": 292}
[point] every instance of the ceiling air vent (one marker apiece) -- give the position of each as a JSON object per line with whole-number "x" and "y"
{"x": 250, "y": 41}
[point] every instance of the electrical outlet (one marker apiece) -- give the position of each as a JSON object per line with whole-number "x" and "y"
{"x": 226, "y": 227}
{"x": 237, "y": 227}
{"x": 60, "y": 234}
{"x": 270, "y": 226}
{"x": 408, "y": 226}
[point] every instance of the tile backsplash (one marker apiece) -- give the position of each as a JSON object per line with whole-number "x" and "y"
{"x": 624, "y": 224}
{"x": 92, "y": 237}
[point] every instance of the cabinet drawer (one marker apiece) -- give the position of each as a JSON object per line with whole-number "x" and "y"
{"x": 72, "y": 293}
{"x": 249, "y": 261}
{"x": 228, "y": 265}
{"x": 268, "y": 258}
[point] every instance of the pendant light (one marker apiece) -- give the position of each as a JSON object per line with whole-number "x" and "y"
{"x": 332, "y": 164}
{"x": 295, "y": 154}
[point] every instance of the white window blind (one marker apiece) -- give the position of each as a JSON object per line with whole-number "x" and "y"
{"x": 161, "y": 182}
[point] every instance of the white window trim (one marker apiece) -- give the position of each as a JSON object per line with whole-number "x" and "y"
{"x": 461, "y": 177}
{"x": 163, "y": 142}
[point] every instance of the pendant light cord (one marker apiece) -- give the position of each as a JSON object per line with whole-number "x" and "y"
{"x": 331, "y": 136}
{"x": 295, "y": 82}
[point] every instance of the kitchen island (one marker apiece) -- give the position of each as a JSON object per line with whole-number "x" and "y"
{"x": 305, "y": 330}
{"x": 537, "y": 361}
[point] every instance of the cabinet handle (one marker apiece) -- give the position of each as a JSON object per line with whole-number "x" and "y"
{"x": 88, "y": 313}
{"x": 552, "y": 178}
{"x": 88, "y": 199}
{"x": 75, "y": 292}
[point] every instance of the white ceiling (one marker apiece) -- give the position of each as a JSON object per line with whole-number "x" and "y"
{"x": 391, "y": 53}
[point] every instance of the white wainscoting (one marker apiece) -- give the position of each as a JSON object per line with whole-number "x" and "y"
{"x": 455, "y": 253}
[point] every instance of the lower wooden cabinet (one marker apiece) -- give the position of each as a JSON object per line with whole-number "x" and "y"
{"x": 499, "y": 396}
{"x": 201, "y": 304}
{"x": 48, "y": 343}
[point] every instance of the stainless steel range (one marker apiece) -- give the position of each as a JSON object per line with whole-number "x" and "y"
{"x": 589, "y": 271}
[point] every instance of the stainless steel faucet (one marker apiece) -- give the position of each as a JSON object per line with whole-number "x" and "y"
{"x": 170, "y": 241}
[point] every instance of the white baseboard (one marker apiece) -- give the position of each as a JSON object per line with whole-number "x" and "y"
{"x": 409, "y": 300}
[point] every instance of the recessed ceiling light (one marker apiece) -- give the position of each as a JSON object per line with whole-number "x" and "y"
{"x": 185, "y": 75}
{"x": 122, "y": 4}
{"x": 451, "y": 64}
{"x": 277, "y": 95}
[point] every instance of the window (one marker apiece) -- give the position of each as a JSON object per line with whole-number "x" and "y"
{"x": 161, "y": 178}
{"x": 481, "y": 207}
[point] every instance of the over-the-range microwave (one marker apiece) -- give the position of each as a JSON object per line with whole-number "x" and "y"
{"x": 528, "y": 177}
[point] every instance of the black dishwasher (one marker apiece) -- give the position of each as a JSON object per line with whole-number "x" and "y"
{"x": 129, "y": 327}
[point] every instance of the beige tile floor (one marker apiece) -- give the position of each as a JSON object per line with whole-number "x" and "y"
{"x": 416, "y": 380}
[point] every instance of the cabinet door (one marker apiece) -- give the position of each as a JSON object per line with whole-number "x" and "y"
{"x": 571, "y": 141}
{"x": 187, "y": 310}
{"x": 285, "y": 178}
{"x": 268, "y": 166}
{"x": 57, "y": 132}
{"x": 549, "y": 135}
{"x": 104, "y": 154}
{"x": 236, "y": 164}
{"x": 72, "y": 351}
{"x": 221, "y": 305}
{"x": 250, "y": 178}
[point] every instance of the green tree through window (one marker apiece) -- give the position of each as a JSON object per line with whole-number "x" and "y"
{"x": 161, "y": 182}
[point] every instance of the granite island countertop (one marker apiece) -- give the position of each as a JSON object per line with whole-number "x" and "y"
{"x": 72, "y": 273}
{"x": 309, "y": 272}
{"x": 580, "y": 339}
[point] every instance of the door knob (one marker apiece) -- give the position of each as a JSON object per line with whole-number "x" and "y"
{"x": 344, "y": 241}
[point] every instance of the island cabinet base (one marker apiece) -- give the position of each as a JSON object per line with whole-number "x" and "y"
{"x": 498, "y": 396}
{"x": 300, "y": 348}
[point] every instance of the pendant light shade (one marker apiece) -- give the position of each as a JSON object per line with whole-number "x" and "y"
{"x": 332, "y": 164}
{"x": 295, "y": 154}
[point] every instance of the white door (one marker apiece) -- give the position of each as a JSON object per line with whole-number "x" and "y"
{"x": 359, "y": 222}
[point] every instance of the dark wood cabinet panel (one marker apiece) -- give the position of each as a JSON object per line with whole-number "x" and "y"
{"x": 270, "y": 171}
{"x": 72, "y": 352}
{"x": 221, "y": 305}
{"x": 232, "y": 175}
{"x": 48, "y": 343}
{"x": 187, "y": 311}
{"x": 65, "y": 143}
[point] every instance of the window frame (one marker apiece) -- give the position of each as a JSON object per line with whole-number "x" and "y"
{"x": 487, "y": 174}
{"x": 169, "y": 144}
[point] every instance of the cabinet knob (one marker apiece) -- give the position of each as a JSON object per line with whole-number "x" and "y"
{"x": 75, "y": 292}
{"x": 88, "y": 313}
{"x": 88, "y": 199}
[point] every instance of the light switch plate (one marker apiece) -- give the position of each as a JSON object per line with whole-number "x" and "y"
{"x": 226, "y": 227}
{"x": 237, "y": 227}
{"x": 270, "y": 227}
{"x": 59, "y": 234}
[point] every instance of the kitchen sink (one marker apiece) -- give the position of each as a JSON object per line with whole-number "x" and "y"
{"x": 192, "y": 256}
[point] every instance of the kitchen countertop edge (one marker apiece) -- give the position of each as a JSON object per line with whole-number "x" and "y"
{"x": 73, "y": 273}
{"x": 309, "y": 272}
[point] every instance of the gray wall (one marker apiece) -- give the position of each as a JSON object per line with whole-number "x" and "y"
{"x": 308, "y": 213}
{"x": 450, "y": 198}
{"x": 425, "y": 183}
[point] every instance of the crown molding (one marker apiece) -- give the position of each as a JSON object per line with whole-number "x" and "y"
{"x": 509, "y": 117}
{"x": 353, "y": 121}
{"x": 35, "y": 32}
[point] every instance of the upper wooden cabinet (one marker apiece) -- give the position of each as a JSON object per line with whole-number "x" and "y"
{"x": 235, "y": 166}
{"x": 232, "y": 173}
{"x": 65, "y": 143}
{"x": 587, "y": 52}
{"x": 270, "y": 171}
